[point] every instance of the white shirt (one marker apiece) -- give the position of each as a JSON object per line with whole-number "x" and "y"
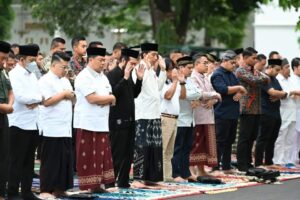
{"x": 185, "y": 118}
{"x": 170, "y": 106}
{"x": 147, "y": 104}
{"x": 288, "y": 105}
{"x": 88, "y": 116}
{"x": 295, "y": 81}
{"x": 55, "y": 120}
{"x": 26, "y": 91}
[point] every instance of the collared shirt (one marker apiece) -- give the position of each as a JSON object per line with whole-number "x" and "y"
{"x": 5, "y": 86}
{"x": 250, "y": 103}
{"x": 55, "y": 120}
{"x": 227, "y": 108}
{"x": 203, "y": 115}
{"x": 26, "y": 91}
{"x": 147, "y": 104}
{"x": 268, "y": 107}
{"x": 185, "y": 118}
{"x": 46, "y": 63}
{"x": 288, "y": 107}
{"x": 170, "y": 106}
{"x": 295, "y": 80}
{"x": 88, "y": 116}
{"x": 76, "y": 65}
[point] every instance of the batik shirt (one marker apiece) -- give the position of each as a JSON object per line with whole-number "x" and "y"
{"x": 252, "y": 80}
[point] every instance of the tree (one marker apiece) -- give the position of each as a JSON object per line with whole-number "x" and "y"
{"x": 171, "y": 20}
{"x": 6, "y": 18}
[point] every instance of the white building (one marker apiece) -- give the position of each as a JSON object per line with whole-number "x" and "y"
{"x": 275, "y": 29}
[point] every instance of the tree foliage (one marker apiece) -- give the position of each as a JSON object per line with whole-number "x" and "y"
{"x": 171, "y": 20}
{"x": 6, "y": 18}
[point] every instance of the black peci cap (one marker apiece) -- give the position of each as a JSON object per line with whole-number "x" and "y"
{"x": 94, "y": 51}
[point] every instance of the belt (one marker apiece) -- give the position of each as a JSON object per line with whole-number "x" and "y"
{"x": 169, "y": 115}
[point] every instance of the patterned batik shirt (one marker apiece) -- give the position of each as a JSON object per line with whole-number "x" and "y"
{"x": 252, "y": 80}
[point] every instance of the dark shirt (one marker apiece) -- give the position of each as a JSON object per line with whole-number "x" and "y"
{"x": 122, "y": 114}
{"x": 268, "y": 107}
{"x": 5, "y": 86}
{"x": 227, "y": 108}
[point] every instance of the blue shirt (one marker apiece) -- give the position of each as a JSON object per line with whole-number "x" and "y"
{"x": 227, "y": 108}
{"x": 268, "y": 107}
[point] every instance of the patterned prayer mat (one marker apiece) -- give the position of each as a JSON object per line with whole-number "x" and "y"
{"x": 167, "y": 190}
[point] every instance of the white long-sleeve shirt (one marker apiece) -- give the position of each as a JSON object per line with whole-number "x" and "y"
{"x": 295, "y": 81}
{"x": 26, "y": 91}
{"x": 185, "y": 118}
{"x": 147, "y": 104}
{"x": 288, "y": 105}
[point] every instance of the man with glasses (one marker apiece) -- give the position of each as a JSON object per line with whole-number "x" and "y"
{"x": 55, "y": 126}
{"x": 204, "y": 151}
{"x": 250, "y": 107}
{"x": 227, "y": 111}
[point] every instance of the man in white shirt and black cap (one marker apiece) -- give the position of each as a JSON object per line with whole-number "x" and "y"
{"x": 91, "y": 114}
{"x": 23, "y": 129}
{"x": 147, "y": 161}
{"x": 55, "y": 125}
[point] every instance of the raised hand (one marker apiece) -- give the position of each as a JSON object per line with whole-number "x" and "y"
{"x": 127, "y": 71}
{"x": 181, "y": 77}
{"x": 140, "y": 72}
{"x": 174, "y": 75}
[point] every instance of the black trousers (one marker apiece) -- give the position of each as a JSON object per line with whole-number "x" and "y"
{"x": 249, "y": 126}
{"x": 56, "y": 171}
{"x": 182, "y": 149}
{"x": 122, "y": 144}
{"x": 22, "y": 146}
{"x": 225, "y": 136}
{"x": 266, "y": 139}
{"x": 4, "y": 137}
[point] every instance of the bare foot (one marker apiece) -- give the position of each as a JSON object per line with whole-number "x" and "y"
{"x": 179, "y": 179}
{"x": 112, "y": 189}
{"x": 204, "y": 174}
{"x": 46, "y": 195}
{"x": 138, "y": 184}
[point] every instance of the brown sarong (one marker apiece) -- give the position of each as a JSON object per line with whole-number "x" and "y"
{"x": 204, "y": 151}
{"x": 94, "y": 160}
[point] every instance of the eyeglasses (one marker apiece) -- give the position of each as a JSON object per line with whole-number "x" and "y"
{"x": 63, "y": 67}
{"x": 204, "y": 63}
{"x": 233, "y": 62}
